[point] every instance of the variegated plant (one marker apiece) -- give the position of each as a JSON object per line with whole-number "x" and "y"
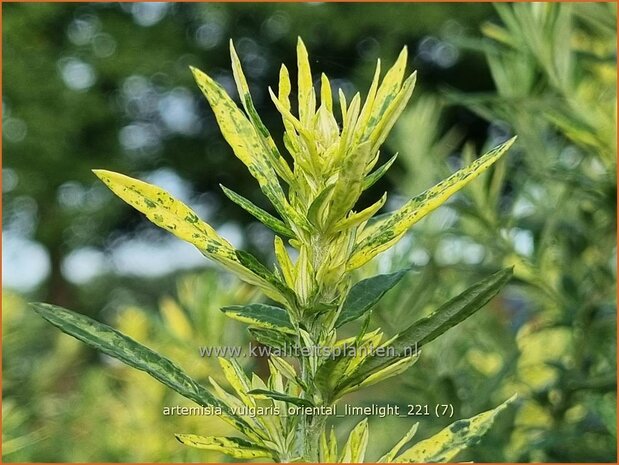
{"x": 314, "y": 191}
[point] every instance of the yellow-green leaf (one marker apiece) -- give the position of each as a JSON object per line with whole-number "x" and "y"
{"x": 354, "y": 449}
{"x": 389, "y": 456}
{"x": 279, "y": 164}
{"x": 385, "y": 233}
{"x": 246, "y": 144}
{"x": 234, "y": 447}
{"x": 176, "y": 217}
{"x": 307, "y": 95}
{"x": 262, "y": 316}
{"x": 237, "y": 379}
{"x": 442, "y": 447}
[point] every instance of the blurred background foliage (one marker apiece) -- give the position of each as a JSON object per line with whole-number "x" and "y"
{"x": 107, "y": 86}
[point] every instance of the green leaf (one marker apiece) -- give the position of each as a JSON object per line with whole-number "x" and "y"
{"x": 365, "y": 294}
{"x": 354, "y": 449}
{"x": 371, "y": 179}
{"x": 442, "y": 447}
{"x": 452, "y": 312}
{"x": 307, "y": 95}
{"x": 264, "y": 217}
{"x": 115, "y": 344}
{"x": 389, "y": 456}
{"x": 271, "y": 338}
{"x": 262, "y": 316}
{"x": 397, "y": 367}
{"x": 356, "y": 218}
{"x": 234, "y": 447}
{"x": 385, "y": 233}
{"x": 429, "y": 328}
{"x": 281, "y": 397}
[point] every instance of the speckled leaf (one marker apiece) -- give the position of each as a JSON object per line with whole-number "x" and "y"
{"x": 356, "y": 218}
{"x": 168, "y": 213}
{"x": 115, "y": 344}
{"x": 265, "y": 218}
{"x": 237, "y": 379}
{"x": 349, "y": 183}
{"x": 371, "y": 179}
{"x": 393, "y": 112}
{"x": 174, "y": 216}
{"x": 246, "y": 144}
{"x": 234, "y": 447}
{"x": 365, "y": 294}
{"x": 389, "y": 456}
{"x": 262, "y": 316}
{"x": 388, "y": 90}
{"x": 354, "y": 449}
{"x": 265, "y": 393}
{"x": 279, "y": 164}
{"x": 385, "y": 233}
{"x": 442, "y": 447}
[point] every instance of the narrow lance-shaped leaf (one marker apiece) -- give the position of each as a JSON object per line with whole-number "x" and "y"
{"x": 176, "y": 217}
{"x": 442, "y": 447}
{"x": 354, "y": 449}
{"x": 389, "y": 456}
{"x": 371, "y": 179}
{"x": 251, "y": 263}
{"x": 385, "y": 233}
{"x": 393, "y": 112}
{"x": 265, "y": 393}
{"x": 246, "y": 144}
{"x": 453, "y": 312}
{"x": 264, "y": 217}
{"x": 237, "y": 379}
{"x": 365, "y": 294}
{"x": 356, "y": 218}
{"x": 279, "y": 164}
{"x": 262, "y": 316}
{"x": 115, "y": 344}
{"x": 389, "y": 88}
{"x": 307, "y": 95}
{"x": 271, "y": 338}
{"x": 429, "y": 328}
{"x": 349, "y": 183}
{"x": 397, "y": 367}
{"x": 234, "y": 447}
{"x": 168, "y": 213}
{"x": 316, "y": 210}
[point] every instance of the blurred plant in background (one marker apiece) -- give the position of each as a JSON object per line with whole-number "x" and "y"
{"x": 555, "y": 203}
{"x": 124, "y": 408}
